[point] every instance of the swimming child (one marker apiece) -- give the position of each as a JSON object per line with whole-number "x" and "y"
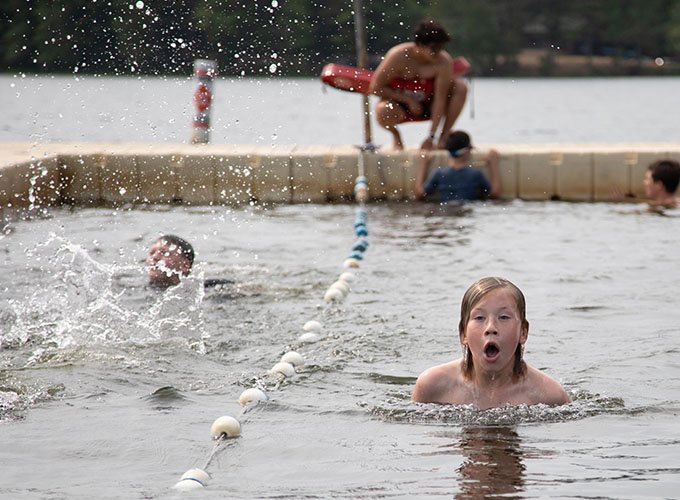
{"x": 170, "y": 258}
{"x": 459, "y": 181}
{"x": 493, "y": 329}
{"x": 661, "y": 181}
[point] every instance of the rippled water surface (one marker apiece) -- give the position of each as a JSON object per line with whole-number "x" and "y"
{"x": 108, "y": 388}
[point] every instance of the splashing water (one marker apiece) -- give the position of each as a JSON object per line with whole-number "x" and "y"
{"x": 398, "y": 408}
{"x": 85, "y": 304}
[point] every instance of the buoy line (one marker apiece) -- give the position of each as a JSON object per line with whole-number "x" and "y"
{"x": 227, "y": 427}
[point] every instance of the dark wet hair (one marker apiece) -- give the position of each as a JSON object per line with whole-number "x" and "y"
{"x": 456, "y": 141}
{"x": 428, "y": 32}
{"x": 472, "y": 296}
{"x": 184, "y": 246}
{"x": 668, "y": 172}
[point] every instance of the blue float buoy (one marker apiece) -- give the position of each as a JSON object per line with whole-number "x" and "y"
{"x": 360, "y": 245}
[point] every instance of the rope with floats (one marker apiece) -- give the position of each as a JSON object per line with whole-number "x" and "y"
{"x": 226, "y": 428}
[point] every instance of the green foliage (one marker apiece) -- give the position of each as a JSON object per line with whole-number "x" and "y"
{"x": 296, "y": 37}
{"x": 673, "y": 30}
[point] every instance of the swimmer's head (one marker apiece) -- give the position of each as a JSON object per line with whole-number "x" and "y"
{"x": 472, "y": 296}
{"x": 665, "y": 174}
{"x": 431, "y": 33}
{"x": 170, "y": 258}
{"x": 458, "y": 143}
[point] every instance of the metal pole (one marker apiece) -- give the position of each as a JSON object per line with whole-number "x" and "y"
{"x": 204, "y": 71}
{"x": 362, "y": 62}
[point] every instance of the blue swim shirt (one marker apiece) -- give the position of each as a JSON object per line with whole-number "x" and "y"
{"x": 466, "y": 183}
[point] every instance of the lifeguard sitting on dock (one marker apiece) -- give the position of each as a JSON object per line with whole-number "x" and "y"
{"x": 423, "y": 59}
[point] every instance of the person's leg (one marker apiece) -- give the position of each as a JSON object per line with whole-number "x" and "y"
{"x": 454, "y": 107}
{"x": 388, "y": 115}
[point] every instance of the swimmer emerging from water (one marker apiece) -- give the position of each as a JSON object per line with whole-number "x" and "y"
{"x": 493, "y": 329}
{"x": 459, "y": 181}
{"x": 661, "y": 182}
{"x": 170, "y": 259}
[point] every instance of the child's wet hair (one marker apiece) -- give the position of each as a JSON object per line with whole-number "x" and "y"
{"x": 668, "y": 172}
{"x": 472, "y": 296}
{"x": 183, "y": 245}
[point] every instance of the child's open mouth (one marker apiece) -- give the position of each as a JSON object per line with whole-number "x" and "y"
{"x": 491, "y": 352}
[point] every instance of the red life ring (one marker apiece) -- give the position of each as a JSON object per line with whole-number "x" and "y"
{"x": 359, "y": 80}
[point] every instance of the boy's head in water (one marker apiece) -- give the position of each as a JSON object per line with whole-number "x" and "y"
{"x": 501, "y": 302}
{"x": 170, "y": 258}
{"x": 662, "y": 178}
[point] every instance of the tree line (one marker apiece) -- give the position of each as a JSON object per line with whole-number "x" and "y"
{"x": 297, "y": 37}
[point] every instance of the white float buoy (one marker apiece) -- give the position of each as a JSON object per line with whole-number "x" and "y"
{"x": 333, "y": 294}
{"x": 346, "y": 276}
{"x": 293, "y": 358}
{"x": 351, "y": 263}
{"x": 311, "y": 326}
{"x": 343, "y": 286}
{"x": 252, "y": 394}
{"x": 193, "y": 479}
{"x": 285, "y": 369}
{"x": 225, "y": 425}
{"x": 308, "y": 337}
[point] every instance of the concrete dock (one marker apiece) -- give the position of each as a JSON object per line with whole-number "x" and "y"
{"x": 39, "y": 175}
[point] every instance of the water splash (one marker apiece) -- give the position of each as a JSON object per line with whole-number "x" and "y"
{"x": 399, "y": 408}
{"x": 83, "y": 304}
{"x": 16, "y": 398}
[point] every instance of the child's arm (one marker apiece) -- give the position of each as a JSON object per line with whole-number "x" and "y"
{"x": 495, "y": 181}
{"x": 618, "y": 196}
{"x": 423, "y": 163}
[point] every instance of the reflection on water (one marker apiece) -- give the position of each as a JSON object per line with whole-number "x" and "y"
{"x": 493, "y": 465}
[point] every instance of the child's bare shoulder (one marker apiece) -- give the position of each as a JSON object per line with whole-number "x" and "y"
{"x": 545, "y": 389}
{"x": 436, "y": 384}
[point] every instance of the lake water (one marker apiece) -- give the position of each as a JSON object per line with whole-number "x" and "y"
{"x": 108, "y": 389}
{"x": 304, "y": 112}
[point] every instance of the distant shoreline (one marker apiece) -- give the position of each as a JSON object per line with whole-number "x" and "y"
{"x": 532, "y": 62}
{"x": 549, "y": 62}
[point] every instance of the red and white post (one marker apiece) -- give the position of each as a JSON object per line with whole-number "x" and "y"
{"x": 204, "y": 71}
